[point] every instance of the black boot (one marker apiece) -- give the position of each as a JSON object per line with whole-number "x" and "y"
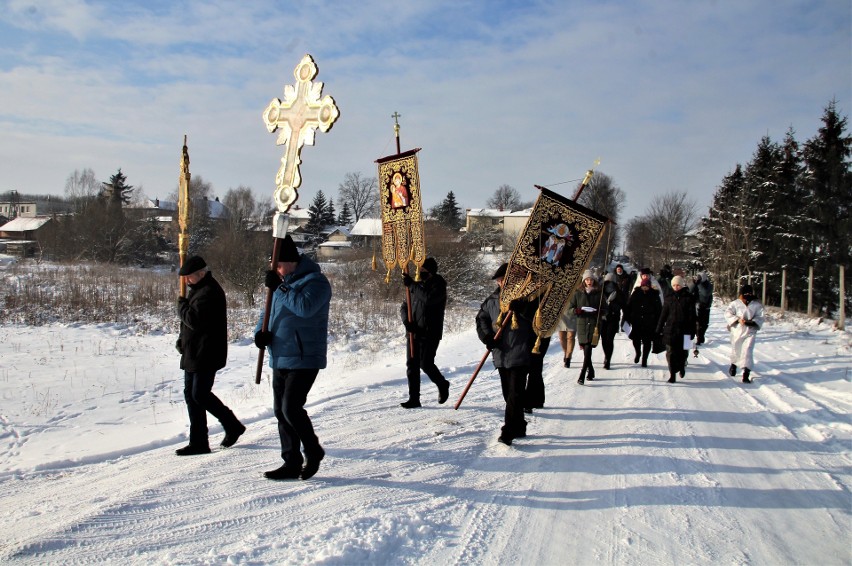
{"x": 567, "y": 362}
{"x": 231, "y": 436}
{"x": 192, "y": 450}
{"x": 285, "y": 472}
{"x": 606, "y": 364}
{"x": 312, "y": 464}
{"x": 443, "y": 392}
{"x": 636, "y": 357}
{"x": 410, "y": 404}
{"x": 672, "y": 377}
{"x": 732, "y": 371}
{"x": 746, "y": 374}
{"x": 582, "y": 379}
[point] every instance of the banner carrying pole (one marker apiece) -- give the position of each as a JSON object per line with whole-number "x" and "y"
{"x": 525, "y": 284}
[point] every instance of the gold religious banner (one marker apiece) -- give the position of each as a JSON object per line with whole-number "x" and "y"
{"x": 550, "y": 256}
{"x": 183, "y": 211}
{"x": 402, "y": 212}
{"x": 298, "y": 116}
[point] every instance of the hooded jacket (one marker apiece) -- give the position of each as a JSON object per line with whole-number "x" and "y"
{"x": 298, "y": 319}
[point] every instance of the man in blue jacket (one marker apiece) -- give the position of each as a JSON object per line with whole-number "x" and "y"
{"x": 297, "y": 342}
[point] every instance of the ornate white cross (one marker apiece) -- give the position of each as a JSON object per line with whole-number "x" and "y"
{"x": 298, "y": 116}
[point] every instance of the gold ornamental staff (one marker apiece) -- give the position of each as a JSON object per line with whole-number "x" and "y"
{"x": 183, "y": 212}
{"x": 296, "y": 117}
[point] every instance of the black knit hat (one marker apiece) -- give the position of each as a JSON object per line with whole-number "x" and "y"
{"x": 645, "y": 271}
{"x": 191, "y": 265}
{"x": 746, "y": 290}
{"x": 501, "y": 271}
{"x": 430, "y": 265}
{"x": 288, "y": 251}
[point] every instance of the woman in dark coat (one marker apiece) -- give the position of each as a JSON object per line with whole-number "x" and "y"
{"x": 642, "y": 313}
{"x": 676, "y": 321}
{"x": 585, "y": 303}
{"x": 610, "y": 324}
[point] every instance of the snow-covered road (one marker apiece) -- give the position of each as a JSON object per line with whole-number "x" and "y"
{"x": 627, "y": 469}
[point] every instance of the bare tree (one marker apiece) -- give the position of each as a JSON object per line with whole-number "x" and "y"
{"x": 506, "y": 197}
{"x": 670, "y": 217}
{"x": 82, "y": 184}
{"x": 81, "y": 187}
{"x": 640, "y": 241}
{"x": 605, "y": 197}
{"x": 360, "y": 193}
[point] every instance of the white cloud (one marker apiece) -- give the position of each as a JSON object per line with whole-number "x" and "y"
{"x": 670, "y": 95}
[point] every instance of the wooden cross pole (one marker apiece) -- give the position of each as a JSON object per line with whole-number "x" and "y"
{"x": 298, "y": 116}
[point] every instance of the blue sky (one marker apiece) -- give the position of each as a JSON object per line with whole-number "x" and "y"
{"x": 671, "y": 95}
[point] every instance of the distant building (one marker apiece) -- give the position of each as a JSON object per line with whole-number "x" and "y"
{"x": 20, "y": 237}
{"x": 14, "y": 209}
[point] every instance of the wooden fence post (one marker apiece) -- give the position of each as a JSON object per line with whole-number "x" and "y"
{"x": 784, "y": 289}
{"x": 810, "y": 290}
{"x": 841, "y": 314}
{"x": 763, "y": 293}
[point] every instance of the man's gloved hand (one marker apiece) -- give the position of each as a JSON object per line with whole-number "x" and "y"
{"x": 751, "y": 323}
{"x": 181, "y": 303}
{"x": 578, "y": 311}
{"x": 407, "y": 280}
{"x": 272, "y": 280}
{"x": 516, "y": 305}
{"x": 490, "y": 343}
{"x": 262, "y": 339}
{"x": 179, "y": 346}
{"x": 410, "y": 326}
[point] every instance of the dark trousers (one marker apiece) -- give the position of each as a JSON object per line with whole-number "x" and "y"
{"x": 676, "y": 358}
{"x": 200, "y": 400}
{"x": 534, "y": 394}
{"x": 290, "y": 388}
{"x": 513, "y": 381}
{"x": 587, "y": 361}
{"x": 642, "y": 344}
{"x": 608, "y": 340}
{"x": 703, "y": 320}
{"x": 424, "y": 358}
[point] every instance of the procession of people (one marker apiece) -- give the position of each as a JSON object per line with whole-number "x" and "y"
{"x": 664, "y": 313}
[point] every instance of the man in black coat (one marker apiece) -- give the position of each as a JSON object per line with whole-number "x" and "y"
{"x": 511, "y": 355}
{"x": 203, "y": 345}
{"x": 426, "y": 327}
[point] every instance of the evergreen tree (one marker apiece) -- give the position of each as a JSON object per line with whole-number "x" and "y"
{"x": 828, "y": 184}
{"x": 345, "y": 216}
{"x": 448, "y": 213}
{"x": 328, "y": 217}
{"x": 760, "y": 190}
{"x": 719, "y": 236}
{"x": 116, "y": 191}
{"x": 317, "y": 215}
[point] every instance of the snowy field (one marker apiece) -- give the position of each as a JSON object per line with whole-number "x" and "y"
{"x": 626, "y": 470}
